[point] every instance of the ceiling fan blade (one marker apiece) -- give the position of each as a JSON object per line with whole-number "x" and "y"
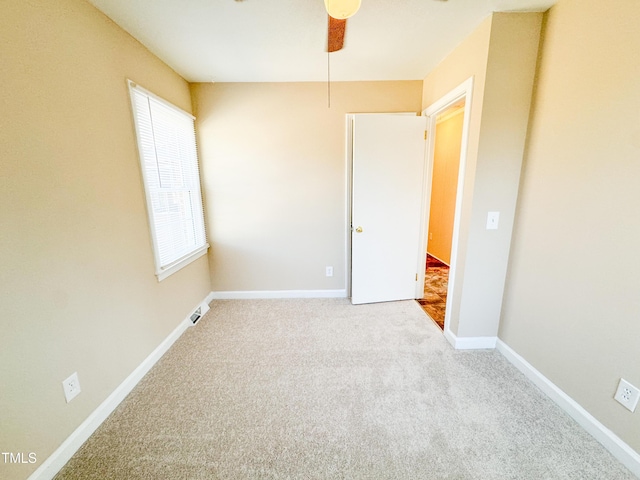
{"x": 335, "y": 34}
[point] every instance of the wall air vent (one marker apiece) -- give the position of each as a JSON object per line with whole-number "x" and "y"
{"x": 195, "y": 316}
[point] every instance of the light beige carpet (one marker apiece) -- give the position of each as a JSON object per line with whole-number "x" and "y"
{"x": 321, "y": 389}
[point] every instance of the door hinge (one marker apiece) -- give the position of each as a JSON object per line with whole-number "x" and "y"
{"x": 426, "y": 134}
{"x": 416, "y": 277}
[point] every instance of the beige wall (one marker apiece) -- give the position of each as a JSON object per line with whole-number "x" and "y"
{"x": 509, "y": 80}
{"x": 78, "y": 290}
{"x": 444, "y": 183}
{"x": 273, "y": 160}
{"x": 501, "y": 56}
{"x": 572, "y": 303}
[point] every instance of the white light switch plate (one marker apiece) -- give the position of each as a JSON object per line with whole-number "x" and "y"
{"x": 492, "y": 220}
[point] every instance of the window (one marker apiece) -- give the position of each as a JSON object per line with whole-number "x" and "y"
{"x": 169, "y": 162}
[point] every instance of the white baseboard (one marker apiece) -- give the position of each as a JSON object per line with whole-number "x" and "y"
{"x": 470, "y": 343}
{"x": 247, "y": 295}
{"x": 617, "y": 447}
{"x": 52, "y": 465}
{"x": 210, "y": 298}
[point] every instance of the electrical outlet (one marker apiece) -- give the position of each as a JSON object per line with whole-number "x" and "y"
{"x": 71, "y": 387}
{"x": 329, "y": 271}
{"x": 627, "y": 395}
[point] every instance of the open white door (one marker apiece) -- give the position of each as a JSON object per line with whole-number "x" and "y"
{"x": 388, "y": 164}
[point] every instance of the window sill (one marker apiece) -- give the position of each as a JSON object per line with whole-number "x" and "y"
{"x": 171, "y": 269}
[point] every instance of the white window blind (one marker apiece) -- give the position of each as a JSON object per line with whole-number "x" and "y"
{"x": 169, "y": 161}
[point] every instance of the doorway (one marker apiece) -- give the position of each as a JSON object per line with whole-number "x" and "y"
{"x": 442, "y": 202}
{"x": 422, "y": 172}
{"x": 447, "y": 106}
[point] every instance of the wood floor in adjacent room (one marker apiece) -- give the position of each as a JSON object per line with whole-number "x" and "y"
{"x": 322, "y": 389}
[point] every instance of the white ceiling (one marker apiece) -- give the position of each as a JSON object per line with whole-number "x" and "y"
{"x": 285, "y": 40}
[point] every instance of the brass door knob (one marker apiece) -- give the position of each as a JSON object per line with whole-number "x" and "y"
{"x": 358, "y": 229}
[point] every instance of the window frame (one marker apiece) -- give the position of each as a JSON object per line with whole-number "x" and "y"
{"x": 163, "y": 271}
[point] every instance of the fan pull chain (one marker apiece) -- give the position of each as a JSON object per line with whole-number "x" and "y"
{"x": 328, "y": 80}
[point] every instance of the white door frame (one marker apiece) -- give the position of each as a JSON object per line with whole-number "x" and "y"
{"x": 348, "y": 200}
{"x": 464, "y": 90}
